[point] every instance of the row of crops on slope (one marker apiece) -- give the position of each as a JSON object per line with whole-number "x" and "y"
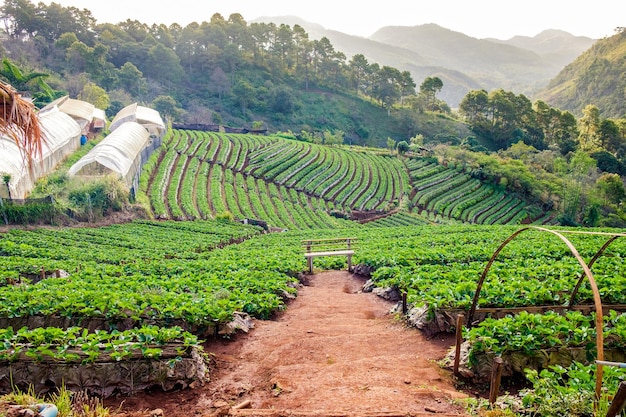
{"x": 438, "y": 267}
{"x": 288, "y": 184}
{"x": 297, "y": 185}
{"x": 141, "y": 292}
{"x": 521, "y": 316}
{"x": 76, "y": 302}
{"x": 453, "y": 193}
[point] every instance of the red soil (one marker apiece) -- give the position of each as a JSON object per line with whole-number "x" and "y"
{"x": 335, "y": 351}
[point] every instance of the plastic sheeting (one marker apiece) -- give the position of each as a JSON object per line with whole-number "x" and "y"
{"x": 79, "y": 110}
{"x": 61, "y": 137}
{"x": 118, "y": 153}
{"x": 99, "y": 119}
{"x": 150, "y": 119}
{"x": 12, "y": 163}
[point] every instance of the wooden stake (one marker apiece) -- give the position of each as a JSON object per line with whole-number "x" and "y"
{"x": 459, "y": 340}
{"x": 404, "y": 304}
{"x": 619, "y": 401}
{"x": 496, "y": 375}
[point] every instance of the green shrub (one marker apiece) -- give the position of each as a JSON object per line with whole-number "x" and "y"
{"x": 225, "y": 216}
{"x": 95, "y": 199}
{"x": 37, "y": 212}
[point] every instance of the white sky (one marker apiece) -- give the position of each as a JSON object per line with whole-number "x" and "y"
{"x": 499, "y": 19}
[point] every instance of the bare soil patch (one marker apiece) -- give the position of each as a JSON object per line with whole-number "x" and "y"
{"x": 335, "y": 351}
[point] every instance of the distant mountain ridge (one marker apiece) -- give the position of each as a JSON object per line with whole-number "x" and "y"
{"x": 521, "y": 64}
{"x": 594, "y": 77}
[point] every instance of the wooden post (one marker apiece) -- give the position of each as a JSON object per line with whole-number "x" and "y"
{"x": 404, "y": 304}
{"x": 459, "y": 340}
{"x": 42, "y": 273}
{"x": 496, "y": 375}
{"x": 57, "y": 273}
{"x": 619, "y": 401}
{"x": 349, "y": 263}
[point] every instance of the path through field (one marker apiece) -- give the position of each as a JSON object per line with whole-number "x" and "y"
{"x": 334, "y": 352}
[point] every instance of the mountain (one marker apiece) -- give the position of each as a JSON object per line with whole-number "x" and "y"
{"x": 595, "y": 77}
{"x": 521, "y": 64}
{"x": 559, "y": 46}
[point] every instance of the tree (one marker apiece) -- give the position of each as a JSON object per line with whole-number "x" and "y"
{"x": 220, "y": 83}
{"x": 610, "y": 136}
{"x": 6, "y": 179}
{"x": 244, "y": 92}
{"x": 429, "y": 88}
{"x": 387, "y": 86}
{"x": 578, "y": 176}
{"x": 407, "y": 85}
{"x": 166, "y": 105}
{"x": 163, "y": 65}
{"x": 358, "y": 72}
{"x": 95, "y": 95}
{"x": 131, "y": 79}
{"x": 33, "y": 82}
{"x": 23, "y": 16}
{"x": 330, "y": 138}
{"x": 611, "y": 187}
{"x": 589, "y": 129}
{"x": 282, "y": 101}
{"x": 402, "y": 147}
{"x": 474, "y": 108}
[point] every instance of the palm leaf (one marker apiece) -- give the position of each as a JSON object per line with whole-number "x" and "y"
{"x": 18, "y": 121}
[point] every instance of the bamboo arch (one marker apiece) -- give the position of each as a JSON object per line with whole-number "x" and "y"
{"x": 599, "y": 321}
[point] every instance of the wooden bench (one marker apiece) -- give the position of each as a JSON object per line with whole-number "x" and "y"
{"x": 329, "y": 247}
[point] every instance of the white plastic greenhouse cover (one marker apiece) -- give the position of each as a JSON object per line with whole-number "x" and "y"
{"x": 99, "y": 118}
{"x": 145, "y": 116}
{"x": 117, "y": 153}
{"x": 57, "y": 128}
{"x": 12, "y": 163}
{"x": 61, "y": 137}
{"x": 81, "y": 111}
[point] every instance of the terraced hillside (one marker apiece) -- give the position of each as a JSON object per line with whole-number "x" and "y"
{"x": 300, "y": 185}
{"x": 450, "y": 193}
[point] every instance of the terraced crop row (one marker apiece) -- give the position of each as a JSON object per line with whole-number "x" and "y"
{"x": 355, "y": 180}
{"x": 451, "y": 194}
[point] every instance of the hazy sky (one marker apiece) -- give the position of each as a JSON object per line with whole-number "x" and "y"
{"x": 500, "y": 19}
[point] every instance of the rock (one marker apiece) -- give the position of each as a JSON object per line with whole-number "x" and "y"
{"x": 369, "y": 286}
{"x": 362, "y": 270}
{"x": 157, "y": 412}
{"x": 391, "y": 294}
{"x": 241, "y": 321}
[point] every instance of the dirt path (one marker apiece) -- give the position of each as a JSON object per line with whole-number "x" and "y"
{"x": 334, "y": 352}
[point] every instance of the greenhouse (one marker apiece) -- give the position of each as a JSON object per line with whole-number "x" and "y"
{"x": 149, "y": 118}
{"x": 81, "y": 111}
{"x": 61, "y": 137}
{"x": 120, "y": 153}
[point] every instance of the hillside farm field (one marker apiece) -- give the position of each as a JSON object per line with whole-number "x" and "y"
{"x": 291, "y": 184}
{"x": 152, "y": 287}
